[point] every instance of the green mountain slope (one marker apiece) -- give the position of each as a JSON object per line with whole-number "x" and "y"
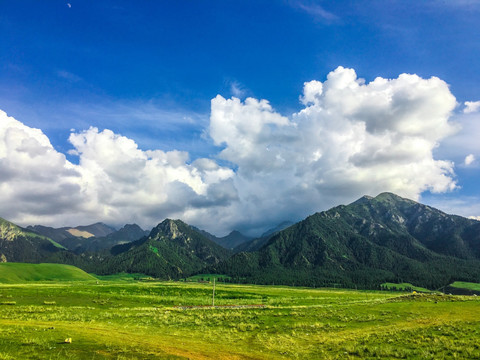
{"x": 370, "y": 241}
{"x": 21, "y": 245}
{"x": 172, "y": 250}
{"x": 389, "y": 214}
{"x": 22, "y": 272}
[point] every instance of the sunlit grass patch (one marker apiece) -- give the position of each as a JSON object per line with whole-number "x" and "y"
{"x": 466, "y": 285}
{"x": 404, "y": 287}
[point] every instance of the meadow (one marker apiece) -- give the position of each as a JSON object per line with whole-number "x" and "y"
{"x": 120, "y": 318}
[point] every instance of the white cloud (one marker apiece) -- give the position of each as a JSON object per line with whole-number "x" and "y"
{"x": 469, "y": 159}
{"x": 148, "y": 185}
{"x": 35, "y": 180}
{"x": 114, "y": 181}
{"x": 351, "y": 138}
{"x": 471, "y": 106}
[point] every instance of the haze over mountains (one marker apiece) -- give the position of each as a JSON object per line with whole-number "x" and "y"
{"x": 373, "y": 240}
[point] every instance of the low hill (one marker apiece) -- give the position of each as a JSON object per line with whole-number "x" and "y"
{"x": 22, "y": 272}
{"x": 463, "y": 288}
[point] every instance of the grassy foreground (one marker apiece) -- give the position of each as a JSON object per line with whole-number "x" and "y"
{"x": 149, "y": 320}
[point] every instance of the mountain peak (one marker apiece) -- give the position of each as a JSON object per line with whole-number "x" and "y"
{"x": 391, "y": 197}
{"x": 366, "y": 243}
{"x": 132, "y": 226}
{"x": 364, "y": 199}
{"x": 384, "y": 197}
{"x": 168, "y": 227}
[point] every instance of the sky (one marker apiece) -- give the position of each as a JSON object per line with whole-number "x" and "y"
{"x": 235, "y": 114}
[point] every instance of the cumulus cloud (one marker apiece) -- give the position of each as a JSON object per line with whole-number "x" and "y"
{"x": 154, "y": 184}
{"x": 350, "y": 138}
{"x": 471, "y": 106}
{"x": 115, "y": 181}
{"x": 35, "y": 180}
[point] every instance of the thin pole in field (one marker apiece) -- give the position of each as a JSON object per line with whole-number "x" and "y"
{"x": 213, "y": 295}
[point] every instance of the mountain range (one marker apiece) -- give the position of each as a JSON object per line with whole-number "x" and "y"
{"x": 363, "y": 244}
{"x": 90, "y": 238}
{"x": 373, "y": 240}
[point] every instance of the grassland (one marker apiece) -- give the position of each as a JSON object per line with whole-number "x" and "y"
{"x": 22, "y": 272}
{"x": 466, "y": 285}
{"x": 117, "y": 319}
{"x": 404, "y": 286}
{"x": 208, "y": 277}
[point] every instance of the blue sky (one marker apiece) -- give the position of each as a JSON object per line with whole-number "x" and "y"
{"x": 143, "y": 75}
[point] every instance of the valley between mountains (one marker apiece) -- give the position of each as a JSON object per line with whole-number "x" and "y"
{"x": 371, "y": 241}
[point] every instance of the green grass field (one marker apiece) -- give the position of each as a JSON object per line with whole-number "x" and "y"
{"x": 404, "y": 286}
{"x": 118, "y": 319}
{"x": 208, "y": 277}
{"x": 466, "y": 285}
{"x": 21, "y": 272}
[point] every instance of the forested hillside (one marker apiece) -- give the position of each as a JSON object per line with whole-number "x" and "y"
{"x": 368, "y": 242}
